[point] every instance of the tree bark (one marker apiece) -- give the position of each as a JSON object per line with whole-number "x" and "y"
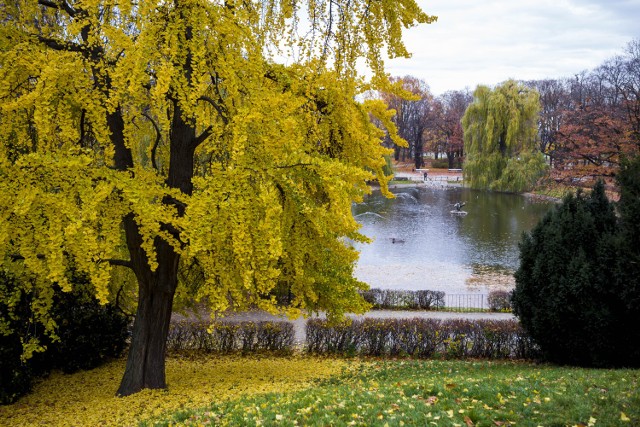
{"x": 418, "y": 160}
{"x": 146, "y": 360}
{"x": 450, "y": 157}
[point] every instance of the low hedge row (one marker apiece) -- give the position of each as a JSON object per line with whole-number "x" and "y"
{"x": 499, "y": 301}
{"x": 390, "y": 298}
{"x": 423, "y": 338}
{"x": 229, "y": 337}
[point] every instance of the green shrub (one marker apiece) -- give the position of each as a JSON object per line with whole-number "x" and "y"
{"x": 88, "y": 334}
{"x": 421, "y": 338}
{"x": 15, "y": 375}
{"x": 440, "y": 164}
{"x": 231, "y": 336}
{"x": 499, "y": 301}
{"x": 402, "y": 299}
{"x": 569, "y": 295}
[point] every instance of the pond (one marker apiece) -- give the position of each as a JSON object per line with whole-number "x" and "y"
{"x": 418, "y": 243}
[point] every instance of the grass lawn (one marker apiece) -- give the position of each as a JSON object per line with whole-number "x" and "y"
{"x": 239, "y": 391}
{"x": 442, "y": 393}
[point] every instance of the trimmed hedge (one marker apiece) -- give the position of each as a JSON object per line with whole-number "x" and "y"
{"x": 230, "y": 337}
{"x": 499, "y": 301}
{"x": 402, "y": 299}
{"x": 423, "y": 338}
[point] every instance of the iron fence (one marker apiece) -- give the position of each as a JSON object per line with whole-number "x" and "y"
{"x": 465, "y": 302}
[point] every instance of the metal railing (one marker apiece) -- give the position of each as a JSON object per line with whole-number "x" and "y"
{"x": 465, "y": 302}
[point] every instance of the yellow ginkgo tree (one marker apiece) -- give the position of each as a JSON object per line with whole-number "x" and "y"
{"x": 145, "y": 134}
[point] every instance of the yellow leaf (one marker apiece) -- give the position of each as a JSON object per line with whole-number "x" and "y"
{"x": 623, "y": 417}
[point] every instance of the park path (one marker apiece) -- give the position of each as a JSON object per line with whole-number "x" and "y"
{"x": 299, "y": 324}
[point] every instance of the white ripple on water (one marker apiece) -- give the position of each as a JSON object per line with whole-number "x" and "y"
{"x": 365, "y": 215}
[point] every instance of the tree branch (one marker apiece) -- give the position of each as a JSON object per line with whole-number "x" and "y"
{"x": 82, "y": 129}
{"x": 60, "y": 45}
{"x": 120, "y": 262}
{"x": 62, "y": 6}
{"x": 202, "y": 137}
{"x": 219, "y": 109}
{"x": 154, "y": 149}
{"x": 296, "y": 165}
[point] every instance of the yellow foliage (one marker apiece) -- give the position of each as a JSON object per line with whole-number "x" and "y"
{"x": 88, "y": 398}
{"x": 178, "y": 120}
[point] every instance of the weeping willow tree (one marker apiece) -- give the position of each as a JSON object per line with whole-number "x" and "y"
{"x": 500, "y": 138}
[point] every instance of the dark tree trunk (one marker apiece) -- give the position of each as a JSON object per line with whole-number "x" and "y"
{"x": 418, "y": 160}
{"x": 450, "y": 157}
{"x": 146, "y": 361}
{"x": 502, "y": 145}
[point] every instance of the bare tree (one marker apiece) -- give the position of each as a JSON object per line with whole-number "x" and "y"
{"x": 412, "y": 117}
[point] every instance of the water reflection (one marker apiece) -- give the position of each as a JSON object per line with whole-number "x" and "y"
{"x": 439, "y": 250}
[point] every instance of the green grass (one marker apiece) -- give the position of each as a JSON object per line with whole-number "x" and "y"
{"x": 442, "y": 393}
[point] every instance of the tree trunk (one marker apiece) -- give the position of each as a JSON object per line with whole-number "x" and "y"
{"x": 450, "y": 157}
{"x": 146, "y": 361}
{"x": 418, "y": 160}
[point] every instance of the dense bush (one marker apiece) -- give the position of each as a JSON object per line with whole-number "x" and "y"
{"x": 440, "y": 164}
{"x": 628, "y": 267}
{"x": 230, "y": 336}
{"x": 421, "y": 338}
{"x": 88, "y": 333}
{"x": 15, "y": 375}
{"x": 499, "y": 301}
{"x": 570, "y": 295}
{"x": 400, "y": 299}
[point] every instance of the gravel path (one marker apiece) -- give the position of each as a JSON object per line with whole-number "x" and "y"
{"x": 300, "y": 323}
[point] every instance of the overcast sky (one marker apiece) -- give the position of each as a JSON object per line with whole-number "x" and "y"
{"x": 489, "y": 41}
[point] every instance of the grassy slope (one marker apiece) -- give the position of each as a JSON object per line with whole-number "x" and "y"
{"x": 443, "y": 393}
{"x": 315, "y": 391}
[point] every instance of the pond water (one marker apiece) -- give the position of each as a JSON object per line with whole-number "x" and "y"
{"x": 438, "y": 250}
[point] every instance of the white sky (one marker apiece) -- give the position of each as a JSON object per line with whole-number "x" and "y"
{"x": 489, "y": 41}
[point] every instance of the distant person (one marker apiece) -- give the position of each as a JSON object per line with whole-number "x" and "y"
{"x": 425, "y": 176}
{"x": 459, "y": 206}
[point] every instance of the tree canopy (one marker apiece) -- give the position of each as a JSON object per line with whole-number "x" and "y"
{"x": 576, "y": 288}
{"x": 500, "y": 128}
{"x": 412, "y": 106}
{"x": 151, "y": 134}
